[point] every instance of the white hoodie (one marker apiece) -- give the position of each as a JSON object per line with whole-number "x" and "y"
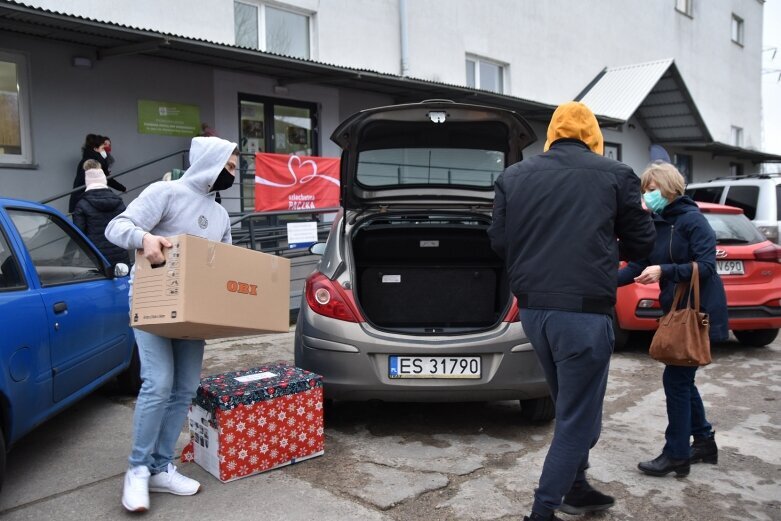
{"x": 169, "y": 208}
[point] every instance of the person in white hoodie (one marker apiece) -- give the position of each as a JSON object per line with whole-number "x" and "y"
{"x": 170, "y": 368}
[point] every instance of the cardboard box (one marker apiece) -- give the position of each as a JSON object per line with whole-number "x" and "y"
{"x": 208, "y": 289}
{"x": 246, "y": 422}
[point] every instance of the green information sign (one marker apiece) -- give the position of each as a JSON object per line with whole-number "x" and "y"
{"x": 168, "y": 119}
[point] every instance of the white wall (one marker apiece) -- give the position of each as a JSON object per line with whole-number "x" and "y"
{"x": 210, "y": 20}
{"x": 553, "y": 49}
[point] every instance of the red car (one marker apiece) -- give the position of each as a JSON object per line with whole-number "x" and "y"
{"x": 750, "y": 267}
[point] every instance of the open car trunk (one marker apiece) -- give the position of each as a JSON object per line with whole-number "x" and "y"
{"x": 423, "y": 274}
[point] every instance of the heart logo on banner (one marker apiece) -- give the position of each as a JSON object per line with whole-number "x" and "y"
{"x": 292, "y": 170}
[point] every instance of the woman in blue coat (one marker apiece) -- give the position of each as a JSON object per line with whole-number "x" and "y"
{"x": 683, "y": 236}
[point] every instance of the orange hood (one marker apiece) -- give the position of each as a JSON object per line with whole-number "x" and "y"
{"x": 574, "y": 120}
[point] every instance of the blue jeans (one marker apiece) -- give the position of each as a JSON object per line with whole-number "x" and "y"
{"x": 171, "y": 371}
{"x": 685, "y": 411}
{"x": 574, "y": 351}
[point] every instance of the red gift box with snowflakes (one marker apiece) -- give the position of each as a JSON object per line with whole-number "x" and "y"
{"x": 246, "y": 422}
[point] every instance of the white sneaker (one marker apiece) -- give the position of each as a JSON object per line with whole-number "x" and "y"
{"x": 173, "y": 482}
{"x": 135, "y": 494}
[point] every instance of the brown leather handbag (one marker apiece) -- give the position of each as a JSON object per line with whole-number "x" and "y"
{"x": 682, "y": 336}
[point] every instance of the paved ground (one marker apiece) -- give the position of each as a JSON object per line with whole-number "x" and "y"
{"x": 431, "y": 461}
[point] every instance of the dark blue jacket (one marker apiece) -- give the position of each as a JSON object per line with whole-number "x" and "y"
{"x": 683, "y": 235}
{"x": 556, "y": 219}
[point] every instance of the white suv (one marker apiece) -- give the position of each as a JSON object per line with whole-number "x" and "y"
{"x": 759, "y": 195}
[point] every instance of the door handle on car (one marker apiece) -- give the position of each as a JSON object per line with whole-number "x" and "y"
{"x": 60, "y": 307}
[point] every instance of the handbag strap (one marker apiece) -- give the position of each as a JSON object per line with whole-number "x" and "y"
{"x": 695, "y": 284}
{"x": 683, "y": 288}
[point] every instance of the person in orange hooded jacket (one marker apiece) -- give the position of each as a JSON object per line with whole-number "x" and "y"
{"x": 557, "y": 217}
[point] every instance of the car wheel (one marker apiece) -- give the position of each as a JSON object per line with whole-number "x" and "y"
{"x": 538, "y": 410}
{"x": 756, "y": 337}
{"x": 621, "y": 335}
{"x": 2, "y": 458}
{"x": 130, "y": 378}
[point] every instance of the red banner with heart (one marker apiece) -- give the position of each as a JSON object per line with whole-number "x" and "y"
{"x": 288, "y": 182}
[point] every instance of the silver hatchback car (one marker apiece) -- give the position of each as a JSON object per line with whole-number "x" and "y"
{"x": 409, "y": 302}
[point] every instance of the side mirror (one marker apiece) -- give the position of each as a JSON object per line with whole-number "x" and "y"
{"x": 317, "y": 249}
{"x": 121, "y": 270}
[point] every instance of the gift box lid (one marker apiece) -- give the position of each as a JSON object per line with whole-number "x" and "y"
{"x": 228, "y": 390}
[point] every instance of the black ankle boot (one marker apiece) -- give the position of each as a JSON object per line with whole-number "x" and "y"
{"x": 663, "y": 465}
{"x": 534, "y": 516}
{"x": 583, "y": 498}
{"x": 705, "y": 450}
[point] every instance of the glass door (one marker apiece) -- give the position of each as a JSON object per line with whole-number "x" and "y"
{"x": 272, "y": 125}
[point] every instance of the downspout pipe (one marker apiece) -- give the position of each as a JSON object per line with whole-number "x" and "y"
{"x": 404, "y": 37}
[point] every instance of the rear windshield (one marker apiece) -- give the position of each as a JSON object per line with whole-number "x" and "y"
{"x": 733, "y": 229}
{"x": 430, "y": 166}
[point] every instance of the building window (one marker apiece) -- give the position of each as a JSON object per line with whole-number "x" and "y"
{"x": 736, "y": 136}
{"x": 15, "y": 147}
{"x": 271, "y": 29}
{"x": 737, "y": 29}
{"x": 684, "y": 6}
{"x": 484, "y": 74}
{"x": 735, "y": 169}
{"x": 683, "y": 162}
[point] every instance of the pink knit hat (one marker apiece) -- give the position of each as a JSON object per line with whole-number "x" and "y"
{"x": 95, "y": 178}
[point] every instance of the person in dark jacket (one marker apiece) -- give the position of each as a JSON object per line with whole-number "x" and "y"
{"x": 557, "y": 217}
{"x": 94, "y": 148}
{"x": 96, "y": 208}
{"x": 683, "y": 235}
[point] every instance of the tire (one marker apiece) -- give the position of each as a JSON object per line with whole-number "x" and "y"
{"x": 538, "y": 410}
{"x": 130, "y": 379}
{"x": 2, "y": 458}
{"x": 756, "y": 337}
{"x": 621, "y": 335}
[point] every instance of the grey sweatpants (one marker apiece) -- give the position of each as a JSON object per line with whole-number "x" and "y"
{"x": 574, "y": 350}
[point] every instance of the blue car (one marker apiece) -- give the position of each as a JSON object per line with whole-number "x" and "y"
{"x": 64, "y": 327}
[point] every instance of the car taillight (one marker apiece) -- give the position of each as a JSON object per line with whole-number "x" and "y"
{"x": 328, "y": 299}
{"x": 513, "y": 315}
{"x": 648, "y": 304}
{"x": 769, "y": 253}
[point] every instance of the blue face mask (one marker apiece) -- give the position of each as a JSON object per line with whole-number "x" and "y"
{"x": 655, "y": 201}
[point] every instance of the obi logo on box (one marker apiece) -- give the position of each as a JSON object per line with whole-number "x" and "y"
{"x": 235, "y": 286}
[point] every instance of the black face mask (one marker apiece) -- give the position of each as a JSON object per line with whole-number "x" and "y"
{"x": 223, "y": 181}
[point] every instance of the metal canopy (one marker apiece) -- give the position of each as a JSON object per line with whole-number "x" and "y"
{"x": 723, "y": 150}
{"x": 655, "y": 94}
{"x": 109, "y": 40}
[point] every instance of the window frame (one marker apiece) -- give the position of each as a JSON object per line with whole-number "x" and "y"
{"x": 260, "y": 7}
{"x": 688, "y": 9}
{"x": 23, "y": 79}
{"x": 736, "y": 136}
{"x": 476, "y": 59}
{"x": 741, "y": 29}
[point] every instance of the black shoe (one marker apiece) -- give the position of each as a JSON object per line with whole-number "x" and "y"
{"x": 534, "y": 516}
{"x": 705, "y": 450}
{"x": 583, "y": 498}
{"x": 663, "y": 465}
